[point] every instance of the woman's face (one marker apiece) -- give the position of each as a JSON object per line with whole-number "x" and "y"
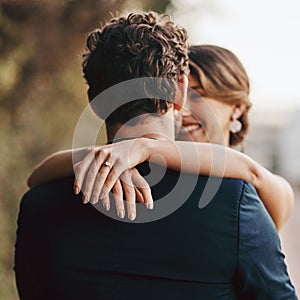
{"x": 205, "y": 119}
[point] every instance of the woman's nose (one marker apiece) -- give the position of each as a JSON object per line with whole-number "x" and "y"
{"x": 185, "y": 111}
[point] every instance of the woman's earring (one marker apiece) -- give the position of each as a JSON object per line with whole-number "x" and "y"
{"x": 235, "y": 125}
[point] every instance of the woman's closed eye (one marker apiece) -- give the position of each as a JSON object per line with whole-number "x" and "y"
{"x": 194, "y": 96}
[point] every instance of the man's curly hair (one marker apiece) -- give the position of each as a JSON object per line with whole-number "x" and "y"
{"x": 140, "y": 45}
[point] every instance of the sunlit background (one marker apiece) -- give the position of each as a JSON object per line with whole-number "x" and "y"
{"x": 42, "y": 92}
{"x": 264, "y": 35}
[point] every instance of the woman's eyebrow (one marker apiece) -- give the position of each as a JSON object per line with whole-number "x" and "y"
{"x": 196, "y": 87}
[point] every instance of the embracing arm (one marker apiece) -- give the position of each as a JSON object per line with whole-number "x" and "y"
{"x": 203, "y": 158}
{"x": 276, "y": 194}
{"x": 55, "y": 166}
{"x": 208, "y": 159}
{"x": 131, "y": 186}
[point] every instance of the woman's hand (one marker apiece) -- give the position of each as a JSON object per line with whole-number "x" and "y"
{"x": 134, "y": 187}
{"x": 111, "y": 167}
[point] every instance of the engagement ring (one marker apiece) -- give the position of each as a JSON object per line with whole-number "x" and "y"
{"x": 107, "y": 164}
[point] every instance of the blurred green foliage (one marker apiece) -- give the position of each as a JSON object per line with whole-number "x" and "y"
{"x": 42, "y": 94}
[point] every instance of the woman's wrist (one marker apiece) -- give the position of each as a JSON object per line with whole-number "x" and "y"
{"x": 149, "y": 147}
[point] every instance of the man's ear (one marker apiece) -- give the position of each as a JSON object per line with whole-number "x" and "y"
{"x": 181, "y": 93}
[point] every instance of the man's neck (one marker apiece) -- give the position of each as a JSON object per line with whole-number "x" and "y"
{"x": 153, "y": 127}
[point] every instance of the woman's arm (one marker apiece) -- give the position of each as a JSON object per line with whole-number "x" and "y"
{"x": 55, "y": 166}
{"x": 199, "y": 158}
{"x": 275, "y": 192}
{"x": 131, "y": 185}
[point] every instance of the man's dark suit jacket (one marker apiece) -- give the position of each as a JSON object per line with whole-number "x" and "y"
{"x": 227, "y": 250}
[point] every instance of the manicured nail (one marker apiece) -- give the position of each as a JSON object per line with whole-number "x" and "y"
{"x": 94, "y": 200}
{"x": 149, "y": 205}
{"x": 102, "y": 195}
{"x": 132, "y": 216}
{"x": 121, "y": 214}
{"x": 85, "y": 199}
{"x": 77, "y": 190}
{"x": 106, "y": 206}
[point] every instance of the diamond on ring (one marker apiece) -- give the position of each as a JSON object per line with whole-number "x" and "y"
{"x": 107, "y": 164}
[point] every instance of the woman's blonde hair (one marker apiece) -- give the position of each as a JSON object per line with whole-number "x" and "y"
{"x": 222, "y": 77}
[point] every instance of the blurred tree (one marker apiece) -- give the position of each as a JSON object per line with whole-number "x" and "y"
{"x": 42, "y": 93}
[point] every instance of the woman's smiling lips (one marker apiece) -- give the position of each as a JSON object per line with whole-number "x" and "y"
{"x": 191, "y": 124}
{"x": 190, "y": 128}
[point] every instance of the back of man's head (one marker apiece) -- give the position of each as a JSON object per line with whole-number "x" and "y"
{"x": 139, "y": 45}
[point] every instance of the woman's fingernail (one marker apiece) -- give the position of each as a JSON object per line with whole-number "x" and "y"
{"x": 121, "y": 214}
{"x": 94, "y": 200}
{"x": 149, "y": 205}
{"x": 106, "y": 206}
{"x": 131, "y": 216}
{"x": 85, "y": 199}
{"x": 77, "y": 190}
